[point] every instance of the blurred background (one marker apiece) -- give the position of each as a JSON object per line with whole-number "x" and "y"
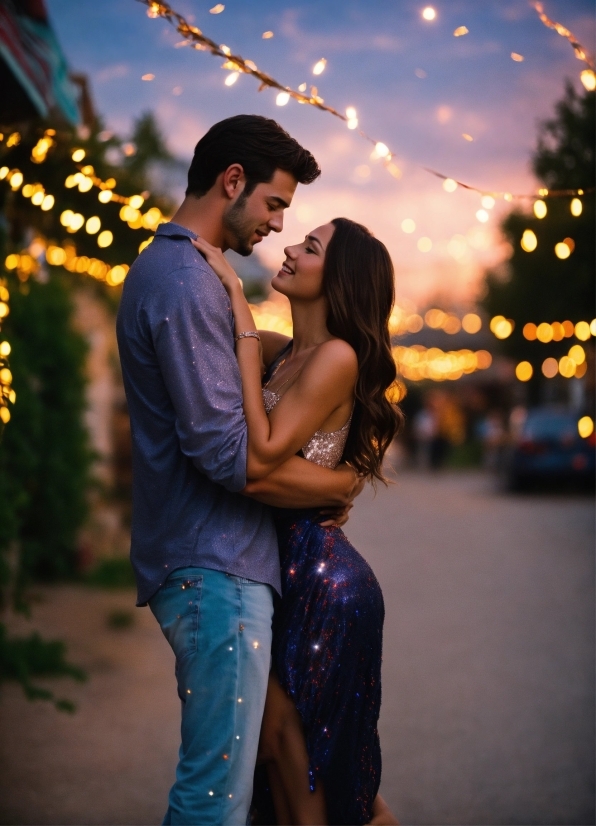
{"x": 465, "y": 142}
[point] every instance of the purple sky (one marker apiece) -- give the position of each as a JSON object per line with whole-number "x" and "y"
{"x": 375, "y": 51}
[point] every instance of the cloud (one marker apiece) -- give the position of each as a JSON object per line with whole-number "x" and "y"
{"x": 113, "y": 72}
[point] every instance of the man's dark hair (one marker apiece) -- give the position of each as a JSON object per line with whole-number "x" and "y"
{"x": 258, "y": 144}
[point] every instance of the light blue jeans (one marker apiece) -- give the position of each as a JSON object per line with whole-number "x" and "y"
{"x": 219, "y": 627}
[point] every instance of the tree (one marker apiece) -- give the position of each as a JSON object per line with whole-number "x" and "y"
{"x": 45, "y": 459}
{"x": 538, "y": 286}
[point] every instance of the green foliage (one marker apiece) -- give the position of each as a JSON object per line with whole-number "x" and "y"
{"x": 120, "y": 620}
{"x": 44, "y": 453}
{"x": 112, "y": 573}
{"x": 44, "y": 456}
{"x": 24, "y": 658}
{"x": 537, "y": 285}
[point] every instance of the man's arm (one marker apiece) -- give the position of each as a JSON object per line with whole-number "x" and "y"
{"x": 302, "y": 484}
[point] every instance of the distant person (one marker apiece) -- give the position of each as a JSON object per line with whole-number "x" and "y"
{"x": 204, "y": 549}
{"x": 325, "y": 397}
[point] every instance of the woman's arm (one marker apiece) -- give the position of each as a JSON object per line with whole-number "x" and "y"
{"x": 326, "y": 381}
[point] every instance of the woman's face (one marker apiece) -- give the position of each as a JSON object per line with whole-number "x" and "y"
{"x": 301, "y": 274}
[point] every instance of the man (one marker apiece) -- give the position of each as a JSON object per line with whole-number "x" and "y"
{"x": 205, "y": 556}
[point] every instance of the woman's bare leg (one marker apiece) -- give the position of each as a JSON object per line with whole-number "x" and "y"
{"x": 284, "y": 749}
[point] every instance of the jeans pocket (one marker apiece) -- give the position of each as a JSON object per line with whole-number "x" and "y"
{"x": 176, "y": 607}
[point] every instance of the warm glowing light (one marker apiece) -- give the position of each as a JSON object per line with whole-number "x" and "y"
{"x": 47, "y": 203}
{"x": 435, "y": 318}
{"x": 529, "y": 331}
{"x": 460, "y": 31}
{"x": 93, "y": 225}
{"x": 282, "y": 98}
{"x": 352, "y": 123}
{"x": 424, "y": 244}
{"x": 76, "y": 222}
{"x": 429, "y": 13}
{"x": 487, "y": 201}
{"x": 562, "y": 250}
{"x": 105, "y": 238}
{"x": 449, "y": 185}
{"x": 576, "y": 207}
{"x": 217, "y": 9}
{"x": 5, "y": 415}
{"x": 145, "y": 244}
{"x": 577, "y": 353}
{"x": 351, "y": 112}
{"x": 452, "y": 324}
{"x": 568, "y": 328}
{"x": 544, "y": 332}
{"x": 267, "y": 35}
{"x": 582, "y": 330}
{"x": 540, "y": 209}
{"x": 55, "y": 256}
{"x": 38, "y": 196}
{"x": 105, "y": 196}
{"x": 529, "y": 242}
{"x": 4, "y": 170}
{"x": 524, "y": 371}
{"x": 232, "y": 78}
{"x": 517, "y": 57}
{"x": 319, "y": 67}
{"x": 567, "y": 367}
{"x": 472, "y": 323}
{"x": 78, "y": 155}
{"x": 550, "y": 368}
{"x": 588, "y": 78}
{"x": 85, "y": 184}
{"x": 16, "y": 179}
{"x": 585, "y": 427}
{"x": 148, "y": 76}
{"x": 467, "y": 137}
{"x": 381, "y": 150}
{"x": 5, "y": 349}
{"x": 408, "y": 225}
{"x": 482, "y": 215}
{"x": 116, "y": 275}
{"x": 593, "y": 327}
{"x": 501, "y": 327}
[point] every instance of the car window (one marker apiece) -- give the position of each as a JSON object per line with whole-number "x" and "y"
{"x": 550, "y": 426}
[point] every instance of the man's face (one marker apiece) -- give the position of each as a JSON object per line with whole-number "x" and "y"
{"x": 250, "y": 218}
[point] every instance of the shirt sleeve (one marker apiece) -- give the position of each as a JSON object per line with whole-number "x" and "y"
{"x": 192, "y": 335}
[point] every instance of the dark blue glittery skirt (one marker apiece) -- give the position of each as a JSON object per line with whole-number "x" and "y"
{"x": 327, "y": 647}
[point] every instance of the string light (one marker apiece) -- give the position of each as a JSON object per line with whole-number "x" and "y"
{"x": 579, "y": 50}
{"x": 460, "y": 31}
{"x": 557, "y": 331}
{"x": 585, "y": 427}
{"x": 7, "y": 394}
{"x": 528, "y": 242}
{"x": 501, "y": 327}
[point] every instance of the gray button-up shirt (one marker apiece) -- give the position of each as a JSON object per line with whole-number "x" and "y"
{"x": 189, "y": 440}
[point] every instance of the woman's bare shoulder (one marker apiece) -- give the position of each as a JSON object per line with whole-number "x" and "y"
{"x": 336, "y": 354}
{"x": 273, "y": 344}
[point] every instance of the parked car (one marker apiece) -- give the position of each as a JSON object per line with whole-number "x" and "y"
{"x": 549, "y": 449}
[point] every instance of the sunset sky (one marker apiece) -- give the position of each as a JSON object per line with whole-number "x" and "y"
{"x": 415, "y": 87}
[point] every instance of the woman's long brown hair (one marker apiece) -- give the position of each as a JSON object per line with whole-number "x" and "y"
{"x": 358, "y": 284}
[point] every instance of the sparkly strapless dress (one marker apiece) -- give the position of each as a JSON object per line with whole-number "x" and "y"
{"x": 327, "y": 646}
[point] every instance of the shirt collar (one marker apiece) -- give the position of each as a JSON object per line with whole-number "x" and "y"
{"x": 175, "y": 231}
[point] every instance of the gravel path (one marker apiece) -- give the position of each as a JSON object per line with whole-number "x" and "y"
{"x": 488, "y": 693}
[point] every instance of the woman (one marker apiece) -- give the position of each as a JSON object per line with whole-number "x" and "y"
{"x": 324, "y": 395}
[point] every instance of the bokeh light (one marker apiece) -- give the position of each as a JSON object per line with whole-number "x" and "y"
{"x": 540, "y": 209}
{"x": 529, "y": 242}
{"x": 550, "y": 368}
{"x": 585, "y": 427}
{"x": 524, "y": 371}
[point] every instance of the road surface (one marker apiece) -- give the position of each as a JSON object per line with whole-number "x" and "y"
{"x": 488, "y": 672}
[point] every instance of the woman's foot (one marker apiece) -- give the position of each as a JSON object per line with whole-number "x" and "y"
{"x": 382, "y": 814}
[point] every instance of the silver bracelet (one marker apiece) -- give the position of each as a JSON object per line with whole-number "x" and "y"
{"x": 248, "y": 334}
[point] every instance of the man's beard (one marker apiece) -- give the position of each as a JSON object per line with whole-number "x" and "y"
{"x": 238, "y": 226}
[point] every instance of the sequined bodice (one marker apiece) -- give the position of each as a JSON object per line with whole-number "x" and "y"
{"x": 323, "y": 449}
